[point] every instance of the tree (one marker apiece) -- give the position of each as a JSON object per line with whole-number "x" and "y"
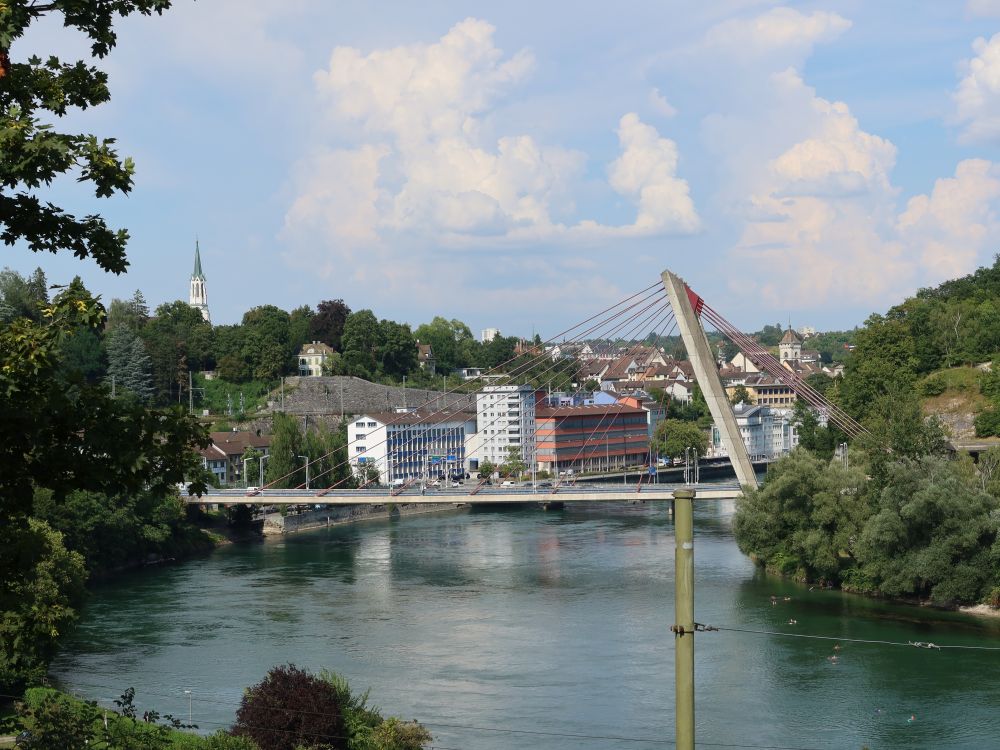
{"x": 933, "y": 534}
{"x": 35, "y": 153}
{"x": 741, "y": 396}
{"x": 267, "y": 346}
{"x": 284, "y": 467}
{"x": 883, "y": 363}
{"x": 806, "y": 519}
{"x": 22, "y": 297}
{"x": 487, "y": 469}
{"x": 292, "y": 708}
{"x": 132, "y": 313}
{"x": 38, "y": 601}
{"x": 397, "y": 349}
{"x": 178, "y": 341}
{"x": 673, "y": 436}
{"x": 360, "y": 342}
{"x": 129, "y": 367}
{"x": 299, "y": 323}
{"x": 514, "y": 464}
{"x": 327, "y": 325}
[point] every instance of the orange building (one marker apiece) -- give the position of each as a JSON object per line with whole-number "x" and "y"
{"x": 591, "y": 438}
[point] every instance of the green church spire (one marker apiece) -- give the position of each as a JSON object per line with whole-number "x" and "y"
{"x": 197, "y": 262}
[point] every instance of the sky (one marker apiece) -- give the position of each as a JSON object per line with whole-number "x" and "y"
{"x": 524, "y": 165}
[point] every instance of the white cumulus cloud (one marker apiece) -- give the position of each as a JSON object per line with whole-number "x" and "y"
{"x": 811, "y": 189}
{"x": 977, "y": 99}
{"x": 411, "y": 152}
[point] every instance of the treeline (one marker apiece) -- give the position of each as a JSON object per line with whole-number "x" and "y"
{"x": 152, "y": 355}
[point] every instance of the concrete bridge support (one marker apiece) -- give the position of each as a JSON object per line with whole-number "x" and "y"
{"x": 700, "y": 354}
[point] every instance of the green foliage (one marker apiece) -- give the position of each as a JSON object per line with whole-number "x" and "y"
{"x": 130, "y": 368}
{"x": 39, "y": 596}
{"x": 933, "y": 535}
{"x": 897, "y": 429}
{"x": 450, "y": 340}
{"x": 487, "y": 469}
{"x": 366, "y": 729}
{"x": 884, "y": 363}
{"x": 178, "y": 340}
{"x": 514, "y": 464}
{"x": 22, "y": 297}
{"x": 267, "y": 347}
{"x": 805, "y": 519}
{"x": 290, "y": 708}
{"x": 35, "y": 154}
{"x": 113, "y": 532}
{"x": 284, "y": 469}
{"x": 673, "y": 436}
{"x": 58, "y": 722}
{"x": 741, "y": 395}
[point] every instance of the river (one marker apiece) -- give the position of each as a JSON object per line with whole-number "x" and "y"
{"x": 552, "y": 624}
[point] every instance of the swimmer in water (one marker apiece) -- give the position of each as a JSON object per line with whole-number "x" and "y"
{"x": 836, "y": 647}
{"x": 788, "y": 598}
{"x": 793, "y": 622}
{"x": 913, "y": 717}
{"x": 832, "y": 659}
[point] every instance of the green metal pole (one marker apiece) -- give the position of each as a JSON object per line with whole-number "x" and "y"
{"x": 684, "y": 617}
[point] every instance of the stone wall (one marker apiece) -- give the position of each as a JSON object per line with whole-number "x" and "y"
{"x": 340, "y": 514}
{"x": 351, "y": 396}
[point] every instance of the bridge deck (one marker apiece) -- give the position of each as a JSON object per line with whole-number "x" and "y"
{"x": 592, "y": 493}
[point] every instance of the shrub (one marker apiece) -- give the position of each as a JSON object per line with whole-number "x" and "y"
{"x": 290, "y": 708}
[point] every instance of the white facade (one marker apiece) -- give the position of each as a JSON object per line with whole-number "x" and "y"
{"x": 488, "y": 334}
{"x": 505, "y": 417}
{"x": 198, "y": 293}
{"x": 406, "y": 446}
{"x": 767, "y": 433}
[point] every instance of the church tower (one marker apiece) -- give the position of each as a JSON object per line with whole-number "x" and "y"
{"x": 198, "y": 297}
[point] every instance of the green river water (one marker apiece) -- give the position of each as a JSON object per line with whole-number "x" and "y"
{"x": 552, "y": 624}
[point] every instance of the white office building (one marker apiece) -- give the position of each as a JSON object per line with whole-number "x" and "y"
{"x": 411, "y": 445}
{"x": 488, "y": 334}
{"x": 505, "y": 418}
{"x": 767, "y": 433}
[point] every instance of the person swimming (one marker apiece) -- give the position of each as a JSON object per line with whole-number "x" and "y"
{"x": 913, "y": 717}
{"x": 793, "y": 622}
{"x": 832, "y": 659}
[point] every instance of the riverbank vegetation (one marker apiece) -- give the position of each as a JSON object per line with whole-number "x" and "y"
{"x": 290, "y": 708}
{"x": 904, "y": 520}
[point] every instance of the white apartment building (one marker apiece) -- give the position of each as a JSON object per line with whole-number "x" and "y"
{"x": 411, "y": 445}
{"x": 767, "y": 432}
{"x": 505, "y": 417}
{"x": 488, "y": 334}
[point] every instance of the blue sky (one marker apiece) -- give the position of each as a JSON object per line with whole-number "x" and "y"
{"x": 522, "y": 165}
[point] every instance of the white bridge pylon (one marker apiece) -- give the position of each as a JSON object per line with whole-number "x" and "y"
{"x": 707, "y": 376}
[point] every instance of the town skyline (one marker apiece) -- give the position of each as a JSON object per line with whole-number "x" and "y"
{"x": 785, "y": 161}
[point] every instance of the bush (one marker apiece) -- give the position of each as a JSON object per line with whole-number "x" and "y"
{"x": 933, "y": 385}
{"x": 290, "y": 708}
{"x": 988, "y": 423}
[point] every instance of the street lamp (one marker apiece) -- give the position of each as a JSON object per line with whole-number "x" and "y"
{"x": 306, "y": 459}
{"x": 188, "y": 694}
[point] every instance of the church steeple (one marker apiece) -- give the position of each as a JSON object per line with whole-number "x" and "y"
{"x": 198, "y": 297}
{"x": 197, "y": 262}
